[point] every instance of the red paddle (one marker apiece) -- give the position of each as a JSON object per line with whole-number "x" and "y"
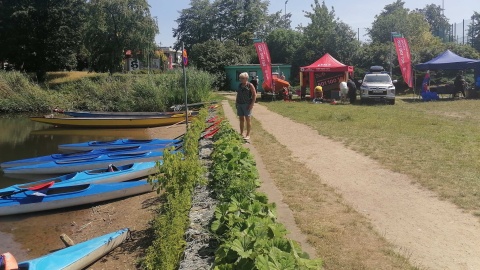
{"x": 32, "y": 188}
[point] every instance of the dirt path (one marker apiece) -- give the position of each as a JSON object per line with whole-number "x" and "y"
{"x": 434, "y": 234}
{"x": 284, "y": 214}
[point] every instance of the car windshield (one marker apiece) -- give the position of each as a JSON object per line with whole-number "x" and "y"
{"x": 377, "y": 78}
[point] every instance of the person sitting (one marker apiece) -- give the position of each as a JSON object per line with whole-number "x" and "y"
{"x": 318, "y": 94}
{"x": 459, "y": 84}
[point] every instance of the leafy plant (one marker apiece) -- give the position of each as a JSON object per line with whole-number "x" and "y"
{"x": 244, "y": 222}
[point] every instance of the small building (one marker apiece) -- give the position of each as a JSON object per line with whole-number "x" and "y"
{"x": 174, "y": 57}
{"x": 254, "y": 70}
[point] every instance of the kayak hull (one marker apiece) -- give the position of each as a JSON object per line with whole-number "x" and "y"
{"x": 120, "y": 143}
{"x": 78, "y": 256}
{"x": 69, "y": 196}
{"x": 111, "y": 122}
{"x": 83, "y": 164}
{"x": 119, "y": 114}
{"x": 89, "y": 153}
{"x": 124, "y": 173}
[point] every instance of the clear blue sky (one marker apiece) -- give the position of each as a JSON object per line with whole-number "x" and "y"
{"x": 356, "y": 13}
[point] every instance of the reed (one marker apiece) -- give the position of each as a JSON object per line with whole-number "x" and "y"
{"x": 120, "y": 92}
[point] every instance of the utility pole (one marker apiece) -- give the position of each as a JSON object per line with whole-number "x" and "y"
{"x": 286, "y": 1}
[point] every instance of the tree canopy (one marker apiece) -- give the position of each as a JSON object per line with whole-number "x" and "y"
{"x": 41, "y": 35}
{"x": 114, "y": 26}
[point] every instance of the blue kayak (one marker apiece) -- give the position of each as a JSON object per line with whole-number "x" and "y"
{"x": 85, "y": 163}
{"x": 83, "y": 154}
{"x": 78, "y": 256}
{"x": 70, "y": 195}
{"x": 85, "y": 146}
{"x": 106, "y": 175}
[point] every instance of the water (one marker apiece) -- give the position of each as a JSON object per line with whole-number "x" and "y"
{"x": 21, "y": 138}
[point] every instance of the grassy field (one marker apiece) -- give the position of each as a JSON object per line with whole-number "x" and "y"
{"x": 436, "y": 143}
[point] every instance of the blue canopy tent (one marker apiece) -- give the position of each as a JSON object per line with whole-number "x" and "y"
{"x": 449, "y": 60}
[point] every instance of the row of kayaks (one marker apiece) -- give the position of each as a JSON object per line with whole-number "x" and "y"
{"x": 93, "y": 155}
{"x": 99, "y": 174}
{"x": 93, "y": 119}
{"x": 98, "y": 171}
{"x": 79, "y": 188}
{"x": 75, "y": 257}
{"x": 101, "y": 171}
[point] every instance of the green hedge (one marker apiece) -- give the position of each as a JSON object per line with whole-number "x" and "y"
{"x": 245, "y": 223}
{"x": 177, "y": 177}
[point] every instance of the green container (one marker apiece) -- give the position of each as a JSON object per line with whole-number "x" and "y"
{"x": 254, "y": 70}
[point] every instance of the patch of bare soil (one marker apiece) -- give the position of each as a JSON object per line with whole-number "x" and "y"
{"x": 434, "y": 234}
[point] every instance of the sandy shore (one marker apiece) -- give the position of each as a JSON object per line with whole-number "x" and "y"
{"x": 38, "y": 234}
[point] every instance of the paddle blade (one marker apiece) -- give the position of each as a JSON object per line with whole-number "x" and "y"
{"x": 42, "y": 186}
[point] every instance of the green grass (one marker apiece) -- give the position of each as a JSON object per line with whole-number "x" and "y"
{"x": 60, "y": 77}
{"x": 100, "y": 92}
{"x": 436, "y": 143}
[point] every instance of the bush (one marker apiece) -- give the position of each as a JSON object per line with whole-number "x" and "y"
{"x": 177, "y": 177}
{"x": 245, "y": 223}
{"x": 120, "y": 92}
{"x": 19, "y": 94}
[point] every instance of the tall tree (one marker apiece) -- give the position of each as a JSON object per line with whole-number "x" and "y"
{"x": 195, "y": 24}
{"x": 41, "y": 35}
{"x": 115, "y": 26}
{"x": 223, "y": 20}
{"x": 213, "y": 55}
{"x": 326, "y": 34}
{"x": 239, "y": 20}
{"x": 474, "y": 31}
{"x": 274, "y": 22}
{"x": 439, "y": 24}
{"x": 396, "y": 18}
{"x": 282, "y": 44}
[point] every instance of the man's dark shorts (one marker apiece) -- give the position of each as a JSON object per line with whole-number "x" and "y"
{"x": 243, "y": 109}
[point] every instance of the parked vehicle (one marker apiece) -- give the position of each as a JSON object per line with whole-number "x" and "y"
{"x": 377, "y": 85}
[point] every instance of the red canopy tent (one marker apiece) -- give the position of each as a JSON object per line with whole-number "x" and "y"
{"x": 327, "y": 72}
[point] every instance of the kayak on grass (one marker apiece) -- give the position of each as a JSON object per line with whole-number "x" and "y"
{"x": 78, "y": 256}
{"x": 85, "y": 163}
{"x": 120, "y": 143}
{"x": 83, "y": 154}
{"x": 106, "y": 175}
{"x": 70, "y": 195}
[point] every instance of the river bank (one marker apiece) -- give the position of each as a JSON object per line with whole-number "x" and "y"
{"x": 83, "y": 223}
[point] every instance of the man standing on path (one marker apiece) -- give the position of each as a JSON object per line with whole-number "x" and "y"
{"x": 246, "y": 96}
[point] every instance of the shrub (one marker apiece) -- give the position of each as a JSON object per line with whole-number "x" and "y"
{"x": 245, "y": 223}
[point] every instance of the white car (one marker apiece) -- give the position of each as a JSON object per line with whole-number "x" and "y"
{"x": 377, "y": 86}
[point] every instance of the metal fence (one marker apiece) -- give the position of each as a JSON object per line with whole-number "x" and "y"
{"x": 457, "y": 32}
